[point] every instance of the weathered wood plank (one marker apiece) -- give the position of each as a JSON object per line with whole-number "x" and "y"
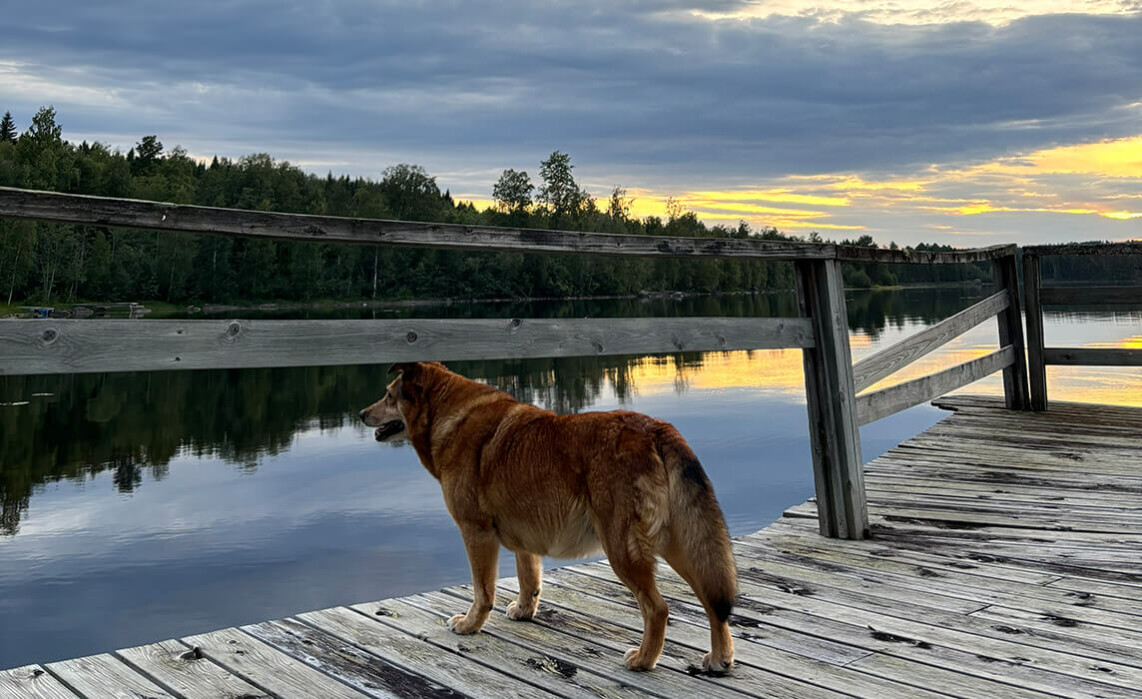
{"x": 448, "y": 665}
{"x": 886, "y": 401}
{"x": 1036, "y": 368}
{"x": 551, "y": 669}
{"x": 756, "y": 659}
{"x": 889, "y": 360}
{"x": 105, "y": 676}
{"x": 1091, "y": 296}
{"x": 1126, "y": 248}
{"x": 1086, "y": 356}
{"x": 187, "y": 671}
{"x": 592, "y": 655}
{"x": 831, "y": 403}
{"x": 360, "y": 670}
{"x": 157, "y": 216}
{"x": 853, "y": 253}
{"x": 32, "y": 682}
{"x": 76, "y": 346}
{"x": 1011, "y": 335}
{"x": 931, "y": 641}
{"x": 268, "y": 667}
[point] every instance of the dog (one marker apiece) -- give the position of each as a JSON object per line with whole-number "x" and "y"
{"x": 565, "y": 486}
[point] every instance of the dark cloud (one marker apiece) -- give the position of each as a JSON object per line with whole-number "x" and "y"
{"x": 640, "y": 89}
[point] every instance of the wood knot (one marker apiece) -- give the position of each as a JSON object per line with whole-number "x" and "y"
{"x": 411, "y": 337}
{"x": 233, "y": 329}
{"x": 516, "y": 322}
{"x": 49, "y": 335}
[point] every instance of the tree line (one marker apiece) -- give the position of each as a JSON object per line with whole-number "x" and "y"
{"x": 46, "y": 262}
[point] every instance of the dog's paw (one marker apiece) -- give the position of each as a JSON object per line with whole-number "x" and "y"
{"x": 716, "y": 665}
{"x": 519, "y": 613}
{"x": 634, "y": 661}
{"x": 459, "y": 624}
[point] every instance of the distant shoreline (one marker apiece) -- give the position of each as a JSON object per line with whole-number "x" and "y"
{"x": 165, "y": 308}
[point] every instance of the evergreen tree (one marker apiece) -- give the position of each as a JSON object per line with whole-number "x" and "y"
{"x": 8, "y": 129}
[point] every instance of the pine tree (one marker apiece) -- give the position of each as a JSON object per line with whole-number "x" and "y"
{"x": 8, "y": 128}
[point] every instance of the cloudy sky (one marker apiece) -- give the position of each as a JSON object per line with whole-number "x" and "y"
{"x": 963, "y": 122}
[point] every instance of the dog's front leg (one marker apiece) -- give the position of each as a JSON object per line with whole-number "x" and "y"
{"x": 483, "y": 557}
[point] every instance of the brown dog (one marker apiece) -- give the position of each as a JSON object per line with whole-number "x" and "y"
{"x": 565, "y": 486}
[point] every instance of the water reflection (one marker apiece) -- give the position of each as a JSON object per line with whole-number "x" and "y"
{"x": 131, "y": 494}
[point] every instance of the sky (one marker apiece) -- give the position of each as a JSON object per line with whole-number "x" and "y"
{"x": 968, "y": 123}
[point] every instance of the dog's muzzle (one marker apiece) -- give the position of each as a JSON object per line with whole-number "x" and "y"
{"x": 388, "y": 430}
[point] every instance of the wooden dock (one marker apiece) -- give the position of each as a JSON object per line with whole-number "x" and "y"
{"x": 1006, "y": 561}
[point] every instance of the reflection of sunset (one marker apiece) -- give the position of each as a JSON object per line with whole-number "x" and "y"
{"x": 780, "y": 371}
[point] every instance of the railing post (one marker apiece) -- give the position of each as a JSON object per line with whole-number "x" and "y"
{"x": 1036, "y": 368}
{"x": 1011, "y": 333}
{"x": 833, "y": 431}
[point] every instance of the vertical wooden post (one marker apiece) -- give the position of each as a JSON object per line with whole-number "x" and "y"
{"x": 1036, "y": 368}
{"x": 1011, "y": 333}
{"x": 833, "y": 430}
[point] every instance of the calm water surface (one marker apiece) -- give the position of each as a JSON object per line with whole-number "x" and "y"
{"x": 144, "y": 506}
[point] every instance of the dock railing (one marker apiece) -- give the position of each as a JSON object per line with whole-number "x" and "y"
{"x": 832, "y": 382}
{"x": 1038, "y": 296}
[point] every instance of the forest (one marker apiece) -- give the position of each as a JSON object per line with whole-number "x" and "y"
{"x": 45, "y": 263}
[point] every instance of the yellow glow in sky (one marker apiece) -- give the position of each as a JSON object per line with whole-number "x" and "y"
{"x": 915, "y": 12}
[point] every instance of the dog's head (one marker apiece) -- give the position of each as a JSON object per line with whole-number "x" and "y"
{"x": 401, "y": 405}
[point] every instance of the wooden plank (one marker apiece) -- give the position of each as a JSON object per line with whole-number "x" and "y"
{"x": 1085, "y": 356}
{"x": 617, "y": 620}
{"x": 360, "y": 670}
{"x": 934, "y": 586}
{"x": 77, "y": 346}
{"x": 831, "y": 403}
{"x": 132, "y": 213}
{"x": 853, "y": 253}
{"x": 553, "y": 671}
{"x": 892, "y": 359}
{"x": 670, "y": 679}
{"x": 32, "y": 682}
{"x": 1091, "y": 296}
{"x": 756, "y": 661}
{"x": 187, "y": 671}
{"x": 105, "y": 676}
{"x": 930, "y": 641}
{"x": 448, "y": 665}
{"x": 157, "y": 216}
{"x": 886, "y": 401}
{"x": 268, "y": 667}
{"x": 1036, "y": 367}
{"x": 1127, "y": 248}
{"x": 1011, "y": 335}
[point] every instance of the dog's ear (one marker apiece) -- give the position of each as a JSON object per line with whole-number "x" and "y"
{"x": 407, "y": 370}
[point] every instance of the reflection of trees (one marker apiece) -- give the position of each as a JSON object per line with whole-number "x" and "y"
{"x": 131, "y": 423}
{"x": 873, "y": 311}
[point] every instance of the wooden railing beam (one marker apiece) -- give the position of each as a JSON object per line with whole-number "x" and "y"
{"x": 889, "y": 360}
{"x": 1092, "y": 356}
{"x": 887, "y": 401}
{"x": 1091, "y": 296}
{"x": 78, "y": 346}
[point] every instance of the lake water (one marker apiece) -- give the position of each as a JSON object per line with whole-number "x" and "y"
{"x": 144, "y": 506}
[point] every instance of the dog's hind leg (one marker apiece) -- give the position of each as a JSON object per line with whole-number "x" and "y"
{"x": 483, "y": 558}
{"x": 721, "y": 656}
{"x": 634, "y": 564}
{"x": 529, "y": 568}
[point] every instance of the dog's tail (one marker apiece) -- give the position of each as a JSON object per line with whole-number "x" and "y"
{"x": 699, "y": 540}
